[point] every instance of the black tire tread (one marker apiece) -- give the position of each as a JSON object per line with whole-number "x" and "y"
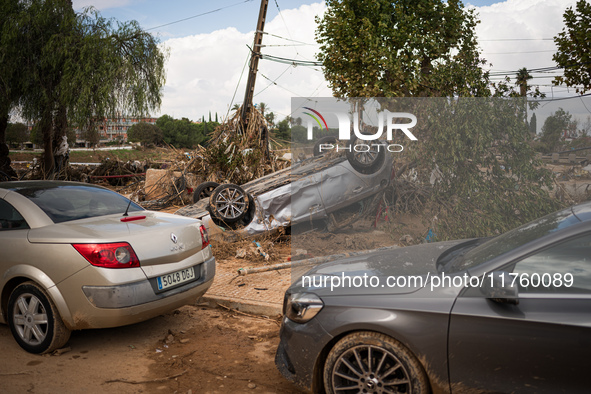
{"x": 61, "y": 334}
{"x": 420, "y": 381}
{"x": 215, "y": 215}
{"x": 201, "y": 187}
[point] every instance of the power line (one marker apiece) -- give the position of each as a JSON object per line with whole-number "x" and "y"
{"x": 237, "y": 85}
{"x": 288, "y": 39}
{"x": 198, "y": 15}
{"x": 517, "y": 53}
{"x": 518, "y": 39}
{"x": 295, "y": 62}
{"x": 564, "y": 98}
{"x": 274, "y": 82}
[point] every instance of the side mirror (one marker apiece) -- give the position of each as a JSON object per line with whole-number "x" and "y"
{"x": 497, "y": 287}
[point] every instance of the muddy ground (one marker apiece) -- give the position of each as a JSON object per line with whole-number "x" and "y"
{"x": 197, "y": 349}
{"x": 194, "y": 349}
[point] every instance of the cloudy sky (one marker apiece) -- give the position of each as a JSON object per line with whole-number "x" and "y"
{"x": 209, "y": 42}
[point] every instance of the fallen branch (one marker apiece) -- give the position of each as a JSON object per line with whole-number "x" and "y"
{"x": 248, "y": 314}
{"x": 312, "y": 261}
{"x": 15, "y": 373}
{"x": 116, "y": 176}
{"x": 160, "y": 380}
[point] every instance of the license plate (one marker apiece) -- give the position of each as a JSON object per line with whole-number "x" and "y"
{"x": 176, "y": 278}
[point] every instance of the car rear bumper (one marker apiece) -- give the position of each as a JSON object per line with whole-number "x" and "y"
{"x": 118, "y": 305}
{"x": 142, "y": 292}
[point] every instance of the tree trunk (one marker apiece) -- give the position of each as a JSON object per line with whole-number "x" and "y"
{"x": 60, "y": 125}
{"x": 47, "y": 131}
{"x": 3, "y": 127}
{"x": 4, "y": 159}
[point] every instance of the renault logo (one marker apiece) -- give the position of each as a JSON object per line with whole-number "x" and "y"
{"x": 173, "y": 237}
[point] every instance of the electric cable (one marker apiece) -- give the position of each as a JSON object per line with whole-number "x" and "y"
{"x": 198, "y": 15}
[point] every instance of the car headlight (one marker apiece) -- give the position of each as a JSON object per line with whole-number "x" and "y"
{"x": 301, "y": 307}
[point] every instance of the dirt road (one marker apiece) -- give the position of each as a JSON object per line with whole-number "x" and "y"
{"x": 192, "y": 350}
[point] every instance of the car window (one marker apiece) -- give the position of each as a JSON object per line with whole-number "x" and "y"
{"x": 561, "y": 269}
{"x": 515, "y": 238}
{"x": 10, "y": 219}
{"x": 63, "y": 203}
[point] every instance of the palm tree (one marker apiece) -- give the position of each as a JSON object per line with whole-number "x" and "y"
{"x": 522, "y": 77}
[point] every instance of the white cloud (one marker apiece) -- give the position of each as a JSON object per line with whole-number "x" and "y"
{"x": 100, "y": 4}
{"x": 203, "y": 70}
{"x": 524, "y": 19}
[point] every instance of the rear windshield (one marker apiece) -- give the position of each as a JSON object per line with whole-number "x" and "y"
{"x": 63, "y": 203}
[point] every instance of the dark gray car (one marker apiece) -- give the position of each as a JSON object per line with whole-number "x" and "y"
{"x": 507, "y": 314}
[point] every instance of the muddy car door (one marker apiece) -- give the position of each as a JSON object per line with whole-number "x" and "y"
{"x": 537, "y": 343}
{"x": 306, "y": 203}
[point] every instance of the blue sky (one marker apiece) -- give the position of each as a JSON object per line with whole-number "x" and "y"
{"x": 241, "y": 14}
{"x": 208, "y": 53}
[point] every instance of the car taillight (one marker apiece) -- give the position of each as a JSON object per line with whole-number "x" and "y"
{"x": 113, "y": 255}
{"x": 204, "y": 237}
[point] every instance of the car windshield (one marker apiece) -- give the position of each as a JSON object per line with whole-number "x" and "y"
{"x": 514, "y": 239}
{"x": 63, "y": 203}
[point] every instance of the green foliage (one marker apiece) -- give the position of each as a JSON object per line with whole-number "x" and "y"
{"x": 36, "y": 136}
{"x": 145, "y": 133}
{"x": 554, "y": 127}
{"x": 235, "y": 165}
{"x": 477, "y": 149}
{"x": 17, "y": 133}
{"x": 183, "y": 133}
{"x": 574, "y": 48}
{"x": 299, "y": 133}
{"x": 76, "y": 68}
{"x": 522, "y": 77}
{"x": 283, "y": 131}
{"x": 486, "y": 178}
{"x": 533, "y": 125}
{"x": 398, "y": 48}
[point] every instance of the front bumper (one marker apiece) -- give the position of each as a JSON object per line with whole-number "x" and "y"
{"x": 298, "y": 355}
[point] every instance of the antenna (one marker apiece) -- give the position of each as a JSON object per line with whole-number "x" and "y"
{"x": 127, "y": 209}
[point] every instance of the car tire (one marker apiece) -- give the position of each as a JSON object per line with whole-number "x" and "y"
{"x": 324, "y": 140}
{"x": 228, "y": 204}
{"x": 366, "y": 162}
{"x": 34, "y": 320}
{"x": 204, "y": 190}
{"x": 382, "y": 365}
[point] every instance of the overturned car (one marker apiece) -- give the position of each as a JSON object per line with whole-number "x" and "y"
{"x": 309, "y": 190}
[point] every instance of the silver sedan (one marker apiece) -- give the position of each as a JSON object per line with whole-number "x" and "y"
{"x": 76, "y": 256}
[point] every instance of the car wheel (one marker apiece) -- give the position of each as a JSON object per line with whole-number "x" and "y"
{"x": 229, "y": 203}
{"x": 34, "y": 320}
{"x": 324, "y": 140}
{"x": 366, "y": 161}
{"x": 368, "y": 362}
{"x": 204, "y": 190}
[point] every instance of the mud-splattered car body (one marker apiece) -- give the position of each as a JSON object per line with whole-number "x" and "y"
{"x": 76, "y": 256}
{"x": 491, "y": 315}
{"x": 309, "y": 190}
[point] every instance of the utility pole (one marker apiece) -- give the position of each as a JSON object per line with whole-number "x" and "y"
{"x": 254, "y": 64}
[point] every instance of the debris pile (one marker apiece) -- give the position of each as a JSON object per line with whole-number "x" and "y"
{"x": 117, "y": 173}
{"x": 237, "y": 153}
